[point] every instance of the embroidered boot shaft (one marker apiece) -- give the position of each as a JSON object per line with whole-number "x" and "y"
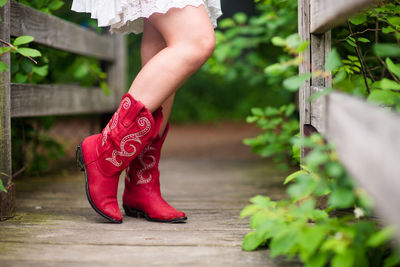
{"x": 142, "y": 195}
{"x": 104, "y": 156}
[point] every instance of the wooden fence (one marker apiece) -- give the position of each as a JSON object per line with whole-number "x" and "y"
{"x": 23, "y": 100}
{"x": 367, "y": 138}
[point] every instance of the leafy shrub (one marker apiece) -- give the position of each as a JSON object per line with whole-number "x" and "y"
{"x": 306, "y": 226}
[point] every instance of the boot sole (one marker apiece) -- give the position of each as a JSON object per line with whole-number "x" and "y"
{"x": 82, "y": 166}
{"x": 141, "y": 214}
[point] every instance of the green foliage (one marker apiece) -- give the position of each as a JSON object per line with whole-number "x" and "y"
{"x": 279, "y": 125}
{"x": 326, "y": 220}
{"x": 2, "y": 188}
{"x": 33, "y": 150}
{"x": 306, "y": 226}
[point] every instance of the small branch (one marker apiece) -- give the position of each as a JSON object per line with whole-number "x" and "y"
{"x": 358, "y": 33}
{"x": 16, "y": 48}
{"x": 361, "y": 61}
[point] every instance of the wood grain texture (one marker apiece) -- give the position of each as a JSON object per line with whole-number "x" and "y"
{"x": 326, "y": 14}
{"x": 305, "y": 65}
{"x": 368, "y": 144}
{"x": 38, "y": 100}
{"x": 57, "y": 33}
{"x": 5, "y": 120}
{"x": 55, "y": 224}
{"x": 117, "y": 70}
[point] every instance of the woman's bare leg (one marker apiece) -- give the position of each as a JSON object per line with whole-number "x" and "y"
{"x": 152, "y": 43}
{"x": 190, "y": 40}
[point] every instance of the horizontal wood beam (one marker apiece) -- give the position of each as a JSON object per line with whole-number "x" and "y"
{"x": 57, "y": 33}
{"x": 326, "y": 14}
{"x": 28, "y": 100}
{"x": 368, "y": 144}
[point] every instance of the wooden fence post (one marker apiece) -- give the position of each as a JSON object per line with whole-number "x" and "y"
{"x": 116, "y": 72}
{"x": 314, "y": 61}
{"x": 7, "y": 199}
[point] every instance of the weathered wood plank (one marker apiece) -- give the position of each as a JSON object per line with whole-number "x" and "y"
{"x": 326, "y": 14}
{"x": 55, "y": 32}
{"x": 5, "y": 120}
{"x": 368, "y": 144}
{"x": 38, "y": 100}
{"x": 305, "y": 65}
{"x": 116, "y": 72}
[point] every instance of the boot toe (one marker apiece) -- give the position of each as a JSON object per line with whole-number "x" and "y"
{"x": 114, "y": 213}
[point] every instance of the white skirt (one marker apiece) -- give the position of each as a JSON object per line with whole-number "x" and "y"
{"x": 125, "y": 16}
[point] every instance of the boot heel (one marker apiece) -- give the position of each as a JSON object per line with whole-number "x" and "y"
{"x": 132, "y": 212}
{"x": 79, "y": 159}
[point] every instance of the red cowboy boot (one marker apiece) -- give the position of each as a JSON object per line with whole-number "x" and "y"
{"x": 142, "y": 196}
{"x": 104, "y": 156}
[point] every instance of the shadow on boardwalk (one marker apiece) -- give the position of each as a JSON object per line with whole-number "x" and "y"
{"x": 205, "y": 171}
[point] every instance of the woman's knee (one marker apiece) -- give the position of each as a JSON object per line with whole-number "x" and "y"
{"x": 197, "y": 51}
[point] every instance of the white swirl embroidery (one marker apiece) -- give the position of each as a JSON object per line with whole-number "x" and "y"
{"x": 145, "y": 166}
{"x": 143, "y": 121}
{"x": 126, "y": 104}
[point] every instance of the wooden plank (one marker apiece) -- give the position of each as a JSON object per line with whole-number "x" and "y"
{"x": 116, "y": 72}
{"x": 320, "y": 48}
{"x": 326, "y": 14}
{"x": 57, "y": 33}
{"x": 38, "y": 100}
{"x": 5, "y": 120}
{"x": 305, "y": 66}
{"x": 368, "y": 144}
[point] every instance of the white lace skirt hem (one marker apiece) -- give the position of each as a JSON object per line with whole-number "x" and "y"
{"x": 125, "y": 16}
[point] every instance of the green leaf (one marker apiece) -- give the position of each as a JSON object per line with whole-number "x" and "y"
{"x": 249, "y": 210}
{"x": 387, "y": 50}
{"x": 341, "y": 198}
{"x": 3, "y": 67}
{"x": 23, "y": 40}
{"x": 283, "y": 243}
{"x": 393, "y": 67}
{"x": 278, "y": 41}
{"x": 21, "y": 78}
{"x": 240, "y": 18}
{"x": 381, "y": 237}
{"x": 29, "y": 52}
{"x": 2, "y": 188}
{"x": 392, "y": 260}
{"x": 310, "y": 239}
{"x": 41, "y": 71}
{"x": 293, "y": 176}
{"x": 350, "y": 42}
{"x": 345, "y": 259}
{"x": 105, "y": 88}
{"x": 262, "y": 201}
{"x": 317, "y": 260}
{"x": 251, "y": 241}
{"x": 293, "y": 83}
{"x": 55, "y": 4}
{"x": 2, "y": 2}
{"x": 363, "y": 40}
{"x": 359, "y": 19}
{"x": 386, "y": 84}
{"x": 386, "y": 98}
{"x": 333, "y": 61}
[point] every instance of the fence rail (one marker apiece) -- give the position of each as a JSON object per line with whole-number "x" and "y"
{"x": 23, "y": 100}
{"x": 366, "y": 137}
